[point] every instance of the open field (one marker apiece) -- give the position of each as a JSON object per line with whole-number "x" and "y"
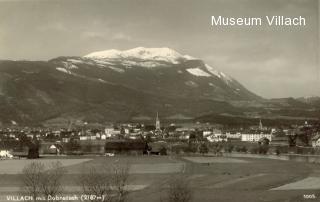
{"x": 212, "y": 178}
{"x": 157, "y": 168}
{"x": 208, "y": 159}
{"x": 307, "y": 183}
{"x": 15, "y": 166}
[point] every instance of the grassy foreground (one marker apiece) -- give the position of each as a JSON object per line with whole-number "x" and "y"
{"x": 212, "y": 178}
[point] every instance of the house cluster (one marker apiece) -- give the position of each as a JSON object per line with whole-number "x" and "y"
{"x": 244, "y": 136}
{"x": 300, "y": 135}
{"x": 126, "y": 135}
{"x": 252, "y": 134}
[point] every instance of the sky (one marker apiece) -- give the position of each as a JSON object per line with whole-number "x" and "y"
{"x": 270, "y": 61}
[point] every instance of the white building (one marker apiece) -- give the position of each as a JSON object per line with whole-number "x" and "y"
{"x": 127, "y": 131}
{"x": 109, "y": 132}
{"x": 236, "y": 135}
{"x": 103, "y": 137}
{"x": 255, "y": 137}
{"x": 217, "y": 137}
{"x": 316, "y": 140}
{"x": 184, "y": 136}
{"x": 206, "y": 132}
{"x": 83, "y": 137}
{"x": 4, "y": 154}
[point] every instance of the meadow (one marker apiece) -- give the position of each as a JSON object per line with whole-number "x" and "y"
{"x": 218, "y": 179}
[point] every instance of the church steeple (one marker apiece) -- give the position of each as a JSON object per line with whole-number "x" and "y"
{"x": 157, "y": 122}
{"x": 260, "y": 125}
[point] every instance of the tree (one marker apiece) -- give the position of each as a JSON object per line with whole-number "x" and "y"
{"x": 163, "y": 151}
{"x": 230, "y": 148}
{"x": 73, "y": 145}
{"x": 97, "y": 184}
{"x": 51, "y": 180}
{"x": 32, "y": 175}
{"x": 120, "y": 177}
{"x": 278, "y": 150}
{"x": 179, "y": 190}
{"x": 263, "y": 149}
{"x": 149, "y": 127}
{"x": 264, "y": 141}
{"x": 203, "y": 149}
{"x": 39, "y": 182}
{"x": 108, "y": 183}
{"x": 192, "y": 137}
{"x": 304, "y": 135}
{"x": 243, "y": 149}
{"x": 148, "y": 138}
{"x": 292, "y": 140}
{"x": 192, "y": 148}
{"x": 88, "y": 147}
{"x": 263, "y": 145}
{"x": 254, "y": 150}
{"x": 23, "y": 141}
{"x": 33, "y": 151}
{"x": 215, "y": 148}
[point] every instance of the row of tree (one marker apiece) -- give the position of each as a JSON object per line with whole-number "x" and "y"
{"x": 106, "y": 184}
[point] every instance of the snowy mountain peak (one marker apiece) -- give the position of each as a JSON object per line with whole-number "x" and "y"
{"x": 112, "y": 53}
{"x": 152, "y": 58}
{"x": 140, "y": 53}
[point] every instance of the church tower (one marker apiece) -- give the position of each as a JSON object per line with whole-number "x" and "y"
{"x": 157, "y": 123}
{"x": 260, "y": 125}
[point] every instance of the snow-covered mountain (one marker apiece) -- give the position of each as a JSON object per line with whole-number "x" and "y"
{"x": 140, "y": 54}
{"x": 142, "y": 57}
{"x": 164, "y": 70}
{"x": 117, "y": 85}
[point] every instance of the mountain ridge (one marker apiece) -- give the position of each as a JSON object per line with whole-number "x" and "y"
{"x": 121, "y": 89}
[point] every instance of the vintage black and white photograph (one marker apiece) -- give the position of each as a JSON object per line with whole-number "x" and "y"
{"x": 159, "y": 100}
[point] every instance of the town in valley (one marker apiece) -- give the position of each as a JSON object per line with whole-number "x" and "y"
{"x": 83, "y": 138}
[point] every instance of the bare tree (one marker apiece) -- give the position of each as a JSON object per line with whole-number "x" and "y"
{"x": 106, "y": 184}
{"x": 51, "y": 180}
{"x": 40, "y": 182}
{"x": 178, "y": 190}
{"x": 97, "y": 183}
{"x": 120, "y": 177}
{"x": 32, "y": 175}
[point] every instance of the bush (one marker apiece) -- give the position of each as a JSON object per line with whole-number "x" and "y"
{"x": 179, "y": 190}
{"x": 230, "y": 148}
{"x": 163, "y": 151}
{"x": 203, "y": 149}
{"x": 73, "y": 145}
{"x": 191, "y": 148}
{"x": 254, "y": 150}
{"x": 237, "y": 149}
{"x": 263, "y": 149}
{"x": 243, "y": 149}
{"x": 179, "y": 148}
